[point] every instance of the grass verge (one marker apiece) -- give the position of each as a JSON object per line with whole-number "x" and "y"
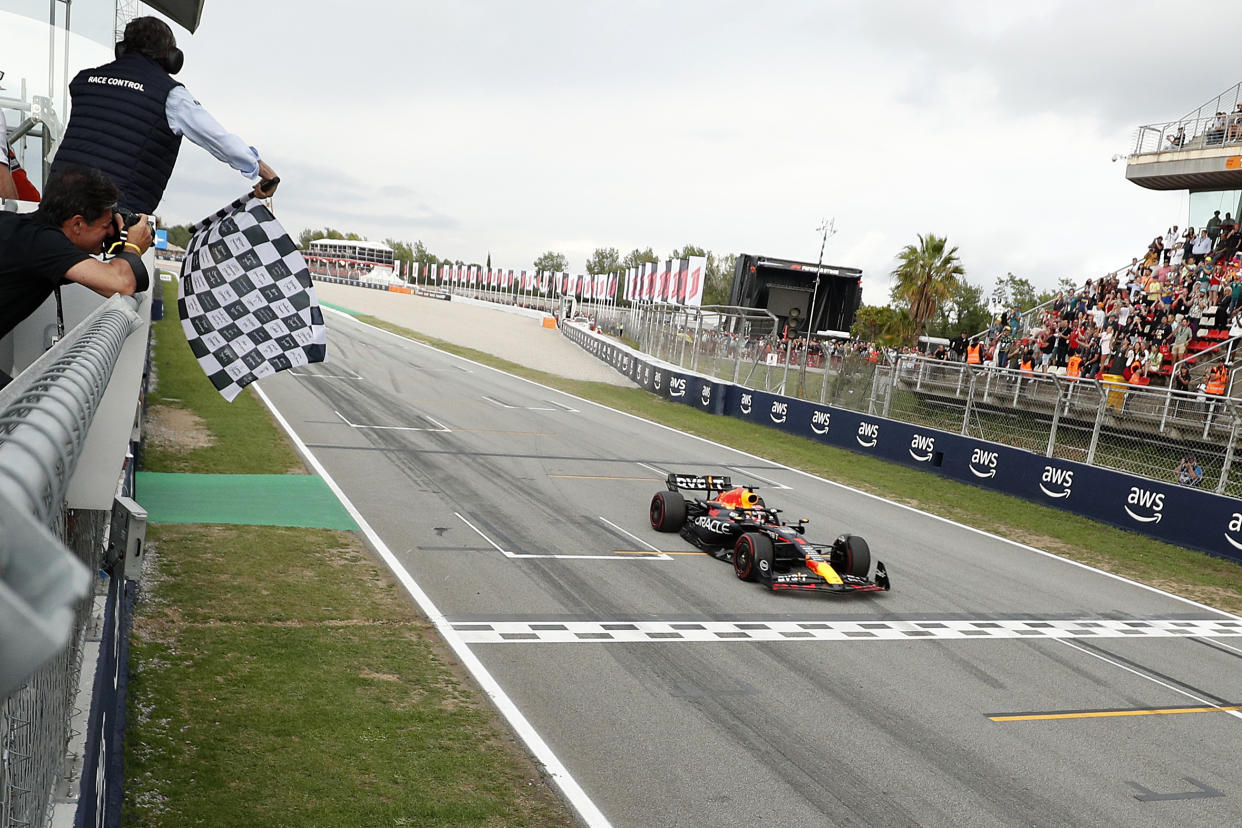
{"x": 1178, "y": 570}
{"x": 280, "y": 677}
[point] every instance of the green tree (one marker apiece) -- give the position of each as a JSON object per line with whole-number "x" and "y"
{"x": 719, "y": 279}
{"x": 179, "y": 235}
{"x": 638, "y": 257}
{"x": 924, "y": 279}
{"x": 965, "y": 311}
{"x": 308, "y": 236}
{"x": 880, "y": 323}
{"x": 1013, "y": 292}
{"x": 552, "y": 261}
{"x": 604, "y": 260}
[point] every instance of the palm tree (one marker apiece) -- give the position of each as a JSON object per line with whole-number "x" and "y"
{"x": 924, "y": 278}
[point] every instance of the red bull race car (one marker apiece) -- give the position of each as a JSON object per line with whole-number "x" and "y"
{"x": 734, "y": 524}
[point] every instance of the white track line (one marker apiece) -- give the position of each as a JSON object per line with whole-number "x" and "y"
{"x": 635, "y": 538}
{"x": 439, "y": 426}
{"x": 1236, "y": 714}
{"x": 750, "y": 473}
{"x": 509, "y": 554}
{"x": 832, "y": 483}
{"x": 587, "y": 809}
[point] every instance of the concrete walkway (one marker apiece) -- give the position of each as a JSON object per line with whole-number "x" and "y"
{"x": 514, "y": 337}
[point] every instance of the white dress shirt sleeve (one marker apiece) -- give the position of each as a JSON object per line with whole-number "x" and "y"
{"x": 187, "y": 117}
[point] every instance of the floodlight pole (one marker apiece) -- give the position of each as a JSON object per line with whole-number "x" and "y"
{"x": 826, "y": 228}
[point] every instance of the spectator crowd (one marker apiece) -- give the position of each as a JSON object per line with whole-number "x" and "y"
{"x": 1182, "y": 296}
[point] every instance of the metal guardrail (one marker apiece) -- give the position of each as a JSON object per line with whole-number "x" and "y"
{"x": 1136, "y": 429}
{"x": 45, "y": 414}
{"x": 1200, "y": 129}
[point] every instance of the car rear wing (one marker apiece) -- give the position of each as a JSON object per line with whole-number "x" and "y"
{"x": 710, "y": 484}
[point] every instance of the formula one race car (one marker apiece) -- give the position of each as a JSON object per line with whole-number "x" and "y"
{"x": 733, "y": 524}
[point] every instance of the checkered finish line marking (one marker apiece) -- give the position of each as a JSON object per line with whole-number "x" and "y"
{"x": 502, "y": 632}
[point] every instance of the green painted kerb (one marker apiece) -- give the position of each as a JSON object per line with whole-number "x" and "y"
{"x": 253, "y": 499}
{"x": 341, "y": 309}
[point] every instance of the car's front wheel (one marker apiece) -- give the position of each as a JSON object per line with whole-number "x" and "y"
{"x": 753, "y": 557}
{"x": 852, "y": 556}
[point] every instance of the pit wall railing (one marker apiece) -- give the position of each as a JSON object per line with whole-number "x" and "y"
{"x": 961, "y": 433}
{"x": 65, "y": 420}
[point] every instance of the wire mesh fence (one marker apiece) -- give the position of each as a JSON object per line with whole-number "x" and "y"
{"x": 35, "y": 720}
{"x": 1187, "y": 438}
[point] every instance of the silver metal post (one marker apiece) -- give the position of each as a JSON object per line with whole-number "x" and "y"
{"x": 1099, "y": 421}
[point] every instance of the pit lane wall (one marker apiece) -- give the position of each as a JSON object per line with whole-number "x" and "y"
{"x": 1176, "y": 514}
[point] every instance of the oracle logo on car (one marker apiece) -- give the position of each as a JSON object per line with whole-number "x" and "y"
{"x": 821, "y": 421}
{"x": 779, "y": 411}
{"x": 1235, "y": 525}
{"x": 983, "y": 463}
{"x": 1061, "y": 480}
{"x": 1146, "y": 501}
{"x": 922, "y": 448}
{"x": 870, "y": 431}
{"x": 705, "y": 395}
{"x": 677, "y": 386}
{"x": 746, "y": 403}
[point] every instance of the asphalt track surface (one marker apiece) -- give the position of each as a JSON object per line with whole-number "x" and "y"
{"x": 675, "y": 695}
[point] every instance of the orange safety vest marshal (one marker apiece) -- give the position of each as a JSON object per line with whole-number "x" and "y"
{"x": 974, "y": 354}
{"x": 1028, "y": 367}
{"x": 1073, "y": 368}
{"x": 1216, "y": 382}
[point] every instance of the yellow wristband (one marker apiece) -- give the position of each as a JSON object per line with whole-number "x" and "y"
{"x": 137, "y": 249}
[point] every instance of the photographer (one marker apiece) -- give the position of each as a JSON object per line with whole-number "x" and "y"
{"x": 55, "y": 245}
{"x": 129, "y": 117}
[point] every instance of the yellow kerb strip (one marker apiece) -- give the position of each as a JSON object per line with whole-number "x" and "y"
{"x": 1103, "y": 714}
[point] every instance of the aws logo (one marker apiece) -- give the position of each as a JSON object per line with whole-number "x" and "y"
{"x": 1056, "y": 482}
{"x": 659, "y": 380}
{"x": 746, "y": 403}
{"x": 677, "y": 386}
{"x": 821, "y": 421}
{"x": 1235, "y": 524}
{"x": 868, "y": 434}
{"x": 705, "y": 395}
{"x": 922, "y": 448}
{"x": 780, "y": 410}
{"x": 983, "y": 463}
{"x": 1145, "y": 501}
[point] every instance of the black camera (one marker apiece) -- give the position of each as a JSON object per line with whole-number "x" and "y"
{"x": 114, "y": 238}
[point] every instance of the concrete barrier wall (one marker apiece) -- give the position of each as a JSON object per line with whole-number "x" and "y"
{"x": 1176, "y": 514}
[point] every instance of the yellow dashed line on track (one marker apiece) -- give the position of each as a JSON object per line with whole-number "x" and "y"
{"x": 1104, "y": 714}
{"x": 604, "y": 477}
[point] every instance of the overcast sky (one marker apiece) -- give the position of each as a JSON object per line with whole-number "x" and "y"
{"x": 519, "y": 127}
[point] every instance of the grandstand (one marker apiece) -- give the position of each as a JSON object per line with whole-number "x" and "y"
{"x": 1126, "y": 323}
{"x": 361, "y": 261}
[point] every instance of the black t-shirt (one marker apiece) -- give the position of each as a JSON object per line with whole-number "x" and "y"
{"x": 34, "y": 258}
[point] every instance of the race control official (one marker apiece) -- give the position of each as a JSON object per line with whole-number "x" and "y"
{"x": 128, "y": 118}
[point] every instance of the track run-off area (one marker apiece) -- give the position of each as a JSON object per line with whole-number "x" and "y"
{"x": 994, "y": 685}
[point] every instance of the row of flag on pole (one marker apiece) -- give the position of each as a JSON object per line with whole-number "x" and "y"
{"x": 675, "y": 281}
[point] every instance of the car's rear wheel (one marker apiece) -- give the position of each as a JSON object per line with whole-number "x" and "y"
{"x": 753, "y": 557}
{"x": 668, "y": 511}
{"x": 855, "y": 556}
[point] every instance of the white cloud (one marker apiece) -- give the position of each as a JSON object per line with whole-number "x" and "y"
{"x": 516, "y": 128}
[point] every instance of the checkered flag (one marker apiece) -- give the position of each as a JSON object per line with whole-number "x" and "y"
{"x": 246, "y": 301}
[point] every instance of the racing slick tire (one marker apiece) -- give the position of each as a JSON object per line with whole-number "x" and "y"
{"x": 753, "y": 557}
{"x": 855, "y": 556}
{"x": 668, "y": 511}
